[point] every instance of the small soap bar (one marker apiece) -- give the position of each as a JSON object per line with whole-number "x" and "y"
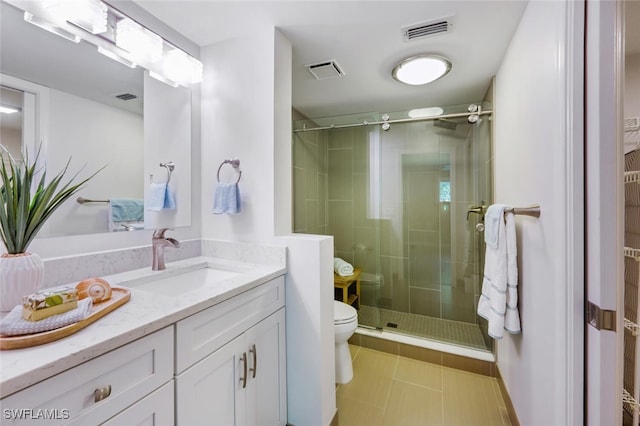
{"x": 50, "y": 297}
{"x": 41, "y": 314}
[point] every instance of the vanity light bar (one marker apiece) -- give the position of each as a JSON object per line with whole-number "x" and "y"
{"x": 51, "y": 28}
{"x": 116, "y": 57}
{"x": 123, "y": 39}
{"x": 179, "y": 66}
{"x": 141, "y": 43}
{"x": 90, "y": 15}
{"x": 163, "y": 79}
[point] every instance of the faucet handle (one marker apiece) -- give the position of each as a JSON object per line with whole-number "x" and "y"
{"x": 159, "y": 233}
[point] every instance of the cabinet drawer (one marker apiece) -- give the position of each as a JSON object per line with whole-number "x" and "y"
{"x": 153, "y": 410}
{"x": 201, "y": 334}
{"x": 131, "y": 371}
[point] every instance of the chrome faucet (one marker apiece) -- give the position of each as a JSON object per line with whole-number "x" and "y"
{"x": 159, "y": 242}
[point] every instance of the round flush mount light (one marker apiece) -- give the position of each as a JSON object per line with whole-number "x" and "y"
{"x": 421, "y": 69}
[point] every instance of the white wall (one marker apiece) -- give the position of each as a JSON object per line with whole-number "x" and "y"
{"x": 246, "y": 113}
{"x": 538, "y": 159}
{"x": 238, "y": 121}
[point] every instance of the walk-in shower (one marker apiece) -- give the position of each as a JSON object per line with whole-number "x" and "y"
{"x": 401, "y": 197}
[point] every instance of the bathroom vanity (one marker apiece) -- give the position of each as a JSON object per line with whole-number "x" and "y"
{"x": 203, "y": 339}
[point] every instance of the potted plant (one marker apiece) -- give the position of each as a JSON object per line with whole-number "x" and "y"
{"x": 27, "y": 200}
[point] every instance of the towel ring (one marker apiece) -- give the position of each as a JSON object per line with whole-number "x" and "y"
{"x": 170, "y": 166}
{"x": 235, "y": 163}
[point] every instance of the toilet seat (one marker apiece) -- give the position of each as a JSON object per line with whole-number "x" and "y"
{"x": 343, "y": 313}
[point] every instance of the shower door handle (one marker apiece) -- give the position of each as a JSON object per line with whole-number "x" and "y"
{"x": 476, "y": 210}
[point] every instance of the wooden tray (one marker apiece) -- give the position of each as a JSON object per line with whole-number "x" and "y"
{"x": 119, "y": 296}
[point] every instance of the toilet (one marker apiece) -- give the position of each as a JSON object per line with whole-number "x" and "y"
{"x": 345, "y": 324}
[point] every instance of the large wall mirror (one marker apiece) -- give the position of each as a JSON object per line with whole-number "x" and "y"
{"x": 90, "y": 108}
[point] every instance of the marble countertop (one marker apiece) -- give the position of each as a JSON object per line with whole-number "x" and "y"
{"x": 146, "y": 312}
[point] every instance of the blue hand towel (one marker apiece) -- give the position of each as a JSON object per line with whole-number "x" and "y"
{"x": 226, "y": 198}
{"x": 161, "y": 197}
{"x": 169, "y": 200}
{"x": 126, "y": 209}
{"x": 157, "y": 194}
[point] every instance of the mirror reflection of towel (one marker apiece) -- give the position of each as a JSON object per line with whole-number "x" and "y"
{"x": 226, "y": 198}
{"x": 160, "y": 197}
{"x": 126, "y": 211}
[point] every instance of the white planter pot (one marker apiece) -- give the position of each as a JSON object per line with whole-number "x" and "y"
{"x": 20, "y": 275}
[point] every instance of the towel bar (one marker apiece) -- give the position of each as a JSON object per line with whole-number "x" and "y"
{"x": 82, "y": 200}
{"x": 533, "y": 210}
{"x": 235, "y": 163}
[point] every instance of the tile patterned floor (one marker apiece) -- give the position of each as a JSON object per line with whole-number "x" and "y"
{"x": 391, "y": 390}
{"x": 455, "y": 332}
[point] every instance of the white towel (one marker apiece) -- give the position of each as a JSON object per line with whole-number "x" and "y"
{"x": 342, "y": 267}
{"x": 499, "y": 299}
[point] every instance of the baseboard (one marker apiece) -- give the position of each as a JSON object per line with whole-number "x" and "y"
{"x": 507, "y": 399}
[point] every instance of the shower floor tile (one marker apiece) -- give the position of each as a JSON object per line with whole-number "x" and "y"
{"x": 454, "y": 332}
{"x": 391, "y": 390}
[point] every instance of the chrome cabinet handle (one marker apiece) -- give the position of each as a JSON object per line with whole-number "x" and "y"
{"x": 102, "y": 393}
{"x": 243, "y": 379}
{"x": 254, "y": 369}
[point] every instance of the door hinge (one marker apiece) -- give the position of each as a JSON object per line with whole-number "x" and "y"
{"x": 601, "y": 319}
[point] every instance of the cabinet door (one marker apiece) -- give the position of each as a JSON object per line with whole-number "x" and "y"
{"x": 213, "y": 392}
{"x": 266, "y": 390}
{"x": 156, "y": 409}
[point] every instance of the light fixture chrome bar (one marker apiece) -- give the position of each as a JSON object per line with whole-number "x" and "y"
{"x": 399, "y": 120}
{"x": 51, "y": 28}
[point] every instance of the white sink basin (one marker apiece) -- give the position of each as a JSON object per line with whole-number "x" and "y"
{"x": 185, "y": 282}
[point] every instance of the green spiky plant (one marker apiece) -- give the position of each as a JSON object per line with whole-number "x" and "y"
{"x": 27, "y": 199}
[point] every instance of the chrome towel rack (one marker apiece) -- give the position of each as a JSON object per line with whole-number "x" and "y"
{"x": 533, "y": 211}
{"x": 82, "y": 200}
{"x": 235, "y": 163}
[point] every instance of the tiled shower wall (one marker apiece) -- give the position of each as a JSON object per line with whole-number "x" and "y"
{"x": 379, "y": 194}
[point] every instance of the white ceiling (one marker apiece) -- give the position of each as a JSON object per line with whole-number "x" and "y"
{"x": 365, "y": 38}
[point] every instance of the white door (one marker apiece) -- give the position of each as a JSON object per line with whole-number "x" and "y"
{"x": 213, "y": 391}
{"x": 604, "y": 209}
{"x": 266, "y": 390}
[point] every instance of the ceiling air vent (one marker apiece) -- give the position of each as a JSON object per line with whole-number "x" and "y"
{"x": 325, "y": 69}
{"x": 427, "y": 29}
{"x": 126, "y": 96}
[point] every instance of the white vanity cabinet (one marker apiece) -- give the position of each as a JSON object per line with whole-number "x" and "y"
{"x": 97, "y": 390}
{"x": 230, "y": 361}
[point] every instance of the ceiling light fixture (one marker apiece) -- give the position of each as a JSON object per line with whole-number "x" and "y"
{"x": 425, "y": 112}
{"x": 421, "y": 69}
